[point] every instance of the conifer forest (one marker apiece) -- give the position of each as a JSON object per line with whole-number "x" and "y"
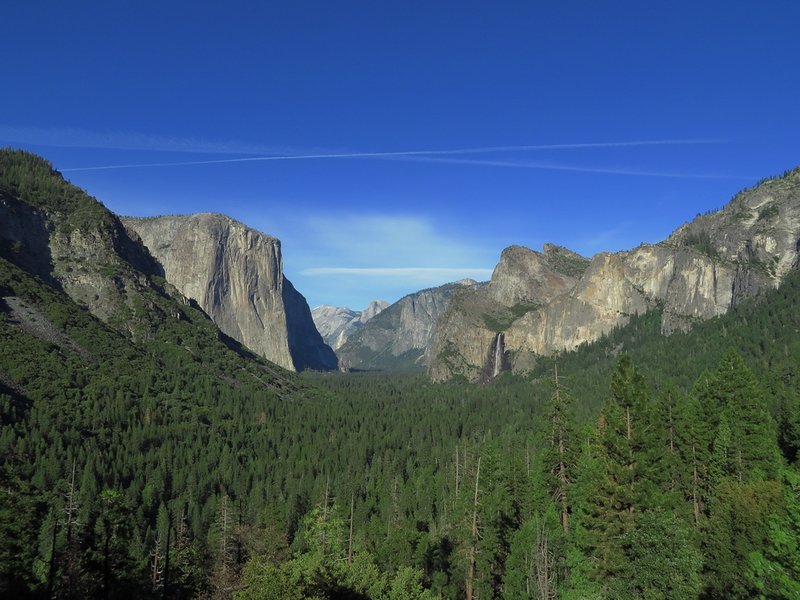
{"x": 636, "y": 467}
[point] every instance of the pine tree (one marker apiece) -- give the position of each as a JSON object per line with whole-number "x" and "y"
{"x": 113, "y": 531}
{"x": 558, "y": 453}
{"x": 754, "y": 449}
{"x": 72, "y": 582}
{"x": 581, "y": 582}
{"x": 723, "y": 463}
{"x": 621, "y": 452}
{"x": 540, "y": 547}
{"x": 469, "y": 584}
{"x": 671, "y": 434}
{"x": 775, "y": 570}
{"x": 497, "y": 516}
{"x": 17, "y": 518}
{"x": 532, "y": 568}
{"x": 663, "y": 562}
{"x": 691, "y": 435}
{"x": 739, "y": 526}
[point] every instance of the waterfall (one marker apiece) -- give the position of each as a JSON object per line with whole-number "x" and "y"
{"x": 498, "y": 354}
{"x": 495, "y": 358}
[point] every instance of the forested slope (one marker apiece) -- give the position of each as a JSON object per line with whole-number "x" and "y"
{"x": 235, "y": 474}
{"x": 135, "y": 421}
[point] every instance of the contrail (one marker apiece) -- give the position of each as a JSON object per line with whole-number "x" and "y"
{"x": 562, "y": 167}
{"x": 406, "y": 153}
{"x": 74, "y": 137}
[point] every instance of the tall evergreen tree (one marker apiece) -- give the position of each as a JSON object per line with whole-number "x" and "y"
{"x": 558, "y": 452}
{"x": 622, "y": 460}
{"x": 665, "y": 451}
{"x": 739, "y": 525}
{"x": 775, "y": 570}
{"x": 662, "y": 561}
{"x": 17, "y": 518}
{"x": 498, "y": 516}
{"x": 581, "y": 580}
{"x": 754, "y": 450}
{"x": 540, "y": 548}
{"x": 691, "y": 447}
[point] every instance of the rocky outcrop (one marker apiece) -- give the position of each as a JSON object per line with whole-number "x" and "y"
{"x": 69, "y": 240}
{"x": 335, "y": 323}
{"x": 235, "y": 274}
{"x": 95, "y": 265}
{"x": 399, "y": 337}
{"x": 522, "y": 282}
{"x": 686, "y": 286}
{"x": 700, "y": 271}
{"x": 524, "y": 276}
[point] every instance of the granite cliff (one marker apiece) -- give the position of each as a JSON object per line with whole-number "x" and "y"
{"x": 399, "y": 337}
{"x": 335, "y": 324}
{"x": 535, "y": 307}
{"x": 235, "y": 274}
{"x": 469, "y": 332}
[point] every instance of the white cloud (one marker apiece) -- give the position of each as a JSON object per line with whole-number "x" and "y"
{"x": 414, "y": 272}
{"x": 347, "y": 260}
{"x": 381, "y": 241}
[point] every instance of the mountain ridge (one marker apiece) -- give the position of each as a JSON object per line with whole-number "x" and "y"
{"x": 398, "y": 338}
{"x": 702, "y": 269}
{"x": 74, "y": 284}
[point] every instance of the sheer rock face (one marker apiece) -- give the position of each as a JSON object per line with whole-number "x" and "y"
{"x": 336, "y": 323}
{"x": 687, "y": 286}
{"x": 399, "y": 337}
{"x": 705, "y": 267}
{"x": 306, "y": 346}
{"x": 236, "y": 276}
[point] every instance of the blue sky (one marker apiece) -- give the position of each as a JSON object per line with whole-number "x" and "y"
{"x": 424, "y": 136}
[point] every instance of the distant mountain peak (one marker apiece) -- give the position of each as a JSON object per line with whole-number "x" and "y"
{"x": 336, "y": 323}
{"x": 398, "y": 338}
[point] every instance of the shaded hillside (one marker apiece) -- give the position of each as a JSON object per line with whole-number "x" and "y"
{"x": 65, "y": 257}
{"x": 57, "y": 232}
{"x": 397, "y": 339}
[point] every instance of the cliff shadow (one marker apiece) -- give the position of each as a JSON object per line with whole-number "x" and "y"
{"x": 25, "y": 239}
